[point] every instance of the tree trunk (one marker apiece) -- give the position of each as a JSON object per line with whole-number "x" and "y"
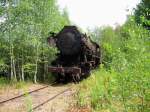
{"x": 22, "y": 73}
{"x": 14, "y": 68}
{"x": 18, "y": 67}
{"x": 22, "y": 69}
{"x": 43, "y": 63}
{"x": 11, "y": 65}
{"x": 35, "y": 75}
{"x": 10, "y": 43}
{"x": 36, "y": 66}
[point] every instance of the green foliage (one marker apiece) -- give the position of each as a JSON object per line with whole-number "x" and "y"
{"x": 100, "y": 91}
{"x": 3, "y": 81}
{"x": 123, "y": 84}
{"x": 20, "y": 85}
{"x": 23, "y": 37}
{"x": 3, "y": 66}
{"x": 29, "y": 68}
{"x": 142, "y": 13}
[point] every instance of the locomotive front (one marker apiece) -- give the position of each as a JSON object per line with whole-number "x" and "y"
{"x": 69, "y": 41}
{"x": 78, "y": 54}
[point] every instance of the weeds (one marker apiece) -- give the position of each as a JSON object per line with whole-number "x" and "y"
{"x": 5, "y": 83}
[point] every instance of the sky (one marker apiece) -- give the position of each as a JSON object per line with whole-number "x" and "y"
{"x": 96, "y": 13}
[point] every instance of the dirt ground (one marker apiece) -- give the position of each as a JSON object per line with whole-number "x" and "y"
{"x": 60, "y": 104}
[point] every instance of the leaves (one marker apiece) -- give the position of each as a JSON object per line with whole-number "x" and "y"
{"x": 142, "y": 13}
{"x": 24, "y": 33}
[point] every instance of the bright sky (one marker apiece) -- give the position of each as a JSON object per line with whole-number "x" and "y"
{"x": 91, "y": 13}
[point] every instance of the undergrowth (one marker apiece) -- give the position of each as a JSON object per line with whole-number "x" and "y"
{"x": 4, "y": 83}
{"x": 122, "y": 83}
{"x": 109, "y": 91}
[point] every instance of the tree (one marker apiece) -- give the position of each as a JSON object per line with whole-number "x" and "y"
{"x": 142, "y": 13}
{"x": 24, "y": 35}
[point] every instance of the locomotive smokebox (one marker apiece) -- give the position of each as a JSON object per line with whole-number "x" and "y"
{"x": 69, "y": 41}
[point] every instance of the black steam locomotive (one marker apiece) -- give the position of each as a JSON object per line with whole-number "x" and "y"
{"x": 78, "y": 54}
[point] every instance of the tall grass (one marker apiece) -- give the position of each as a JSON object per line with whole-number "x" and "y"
{"x": 3, "y": 82}
{"x": 98, "y": 91}
{"x": 109, "y": 90}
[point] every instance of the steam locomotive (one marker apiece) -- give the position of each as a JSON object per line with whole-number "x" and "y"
{"x": 77, "y": 57}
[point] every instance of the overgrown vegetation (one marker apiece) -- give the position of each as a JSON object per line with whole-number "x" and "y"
{"x": 24, "y": 52}
{"x": 122, "y": 83}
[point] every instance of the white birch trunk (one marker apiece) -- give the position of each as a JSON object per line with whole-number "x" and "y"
{"x": 22, "y": 73}
{"x": 36, "y": 66}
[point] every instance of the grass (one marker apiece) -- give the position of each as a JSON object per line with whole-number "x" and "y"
{"x": 98, "y": 89}
{"x": 104, "y": 91}
{"x": 5, "y": 83}
{"x": 28, "y": 103}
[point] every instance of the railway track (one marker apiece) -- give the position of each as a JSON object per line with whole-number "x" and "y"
{"x": 22, "y": 95}
{"x": 34, "y": 91}
{"x": 41, "y": 104}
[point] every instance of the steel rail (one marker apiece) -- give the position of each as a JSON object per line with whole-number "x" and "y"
{"x": 22, "y": 95}
{"x": 41, "y": 104}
